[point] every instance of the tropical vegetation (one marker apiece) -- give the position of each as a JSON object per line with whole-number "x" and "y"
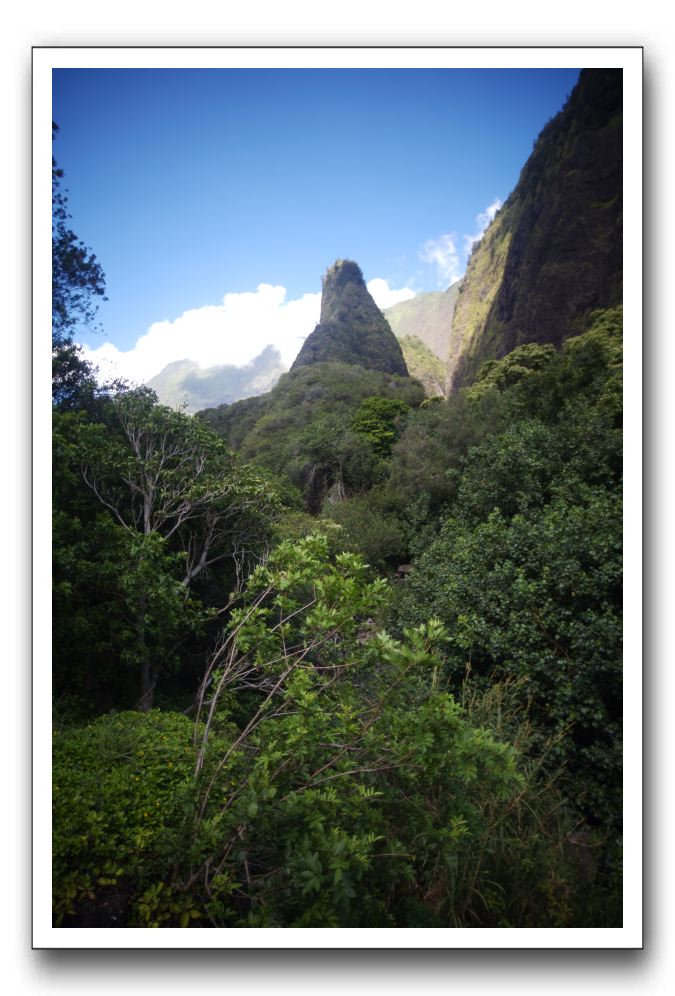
{"x": 340, "y": 655}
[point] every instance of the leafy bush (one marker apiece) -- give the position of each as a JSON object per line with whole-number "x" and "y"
{"x": 434, "y": 441}
{"x": 526, "y": 368}
{"x": 295, "y": 526}
{"x": 356, "y": 791}
{"x": 371, "y": 527}
{"x": 335, "y": 782}
{"x": 122, "y": 799}
{"x": 538, "y": 597}
{"x": 380, "y": 420}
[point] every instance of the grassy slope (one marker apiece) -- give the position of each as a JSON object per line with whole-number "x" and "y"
{"x": 423, "y": 365}
{"x": 428, "y": 317}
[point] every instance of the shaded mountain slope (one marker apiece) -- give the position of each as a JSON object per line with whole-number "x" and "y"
{"x": 553, "y": 253}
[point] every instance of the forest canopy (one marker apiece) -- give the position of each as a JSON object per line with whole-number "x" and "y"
{"x": 349, "y": 653}
{"x": 257, "y": 724}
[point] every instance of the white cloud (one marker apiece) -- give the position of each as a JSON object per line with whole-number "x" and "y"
{"x": 233, "y": 332}
{"x": 483, "y": 219}
{"x": 386, "y": 296}
{"x": 442, "y": 253}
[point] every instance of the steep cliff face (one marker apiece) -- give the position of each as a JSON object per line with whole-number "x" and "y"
{"x": 553, "y": 253}
{"x": 352, "y": 329}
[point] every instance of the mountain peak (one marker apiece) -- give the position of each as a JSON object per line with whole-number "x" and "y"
{"x": 336, "y": 279}
{"x": 352, "y": 329}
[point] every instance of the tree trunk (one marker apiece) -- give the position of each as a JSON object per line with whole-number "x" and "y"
{"x": 148, "y": 678}
{"x": 148, "y": 682}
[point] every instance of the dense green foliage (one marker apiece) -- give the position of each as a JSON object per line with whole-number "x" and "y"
{"x": 305, "y": 428}
{"x": 378, "y": 420}
{"x": 444, "y": 750}
{"x": 526, "y": 569}
{"x": 338, "y": 782}
{"x": 372, "y": 640}
{"x": 536, "y": 595}
{"x": 154, "y": 519}
{"x": 371, "y": 525}
{"x": 122, "y": 791}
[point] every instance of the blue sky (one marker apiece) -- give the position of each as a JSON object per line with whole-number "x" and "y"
{"x": 190, "y": 185}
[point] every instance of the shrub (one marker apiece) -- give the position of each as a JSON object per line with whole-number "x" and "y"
{"x": 356, "y": 792}
{"x": 122, "y": 797}
{"x": 371, "y": 527}
{"x": 335, "y": 781}
{"x": 538, "y": 597}
{"x": 380, "y": 421}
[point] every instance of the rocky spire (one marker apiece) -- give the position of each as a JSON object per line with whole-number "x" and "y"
{"x": 352, "y": 328}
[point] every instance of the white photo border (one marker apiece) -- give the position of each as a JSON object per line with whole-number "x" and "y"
{"x": 630, "y": 60}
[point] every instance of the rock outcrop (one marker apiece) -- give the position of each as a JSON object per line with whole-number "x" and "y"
{"x": 352, "y": 329}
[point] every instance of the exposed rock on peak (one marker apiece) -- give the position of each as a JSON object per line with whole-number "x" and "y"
{"x": 352, "y": 328}
{"x": 342, "y": 282}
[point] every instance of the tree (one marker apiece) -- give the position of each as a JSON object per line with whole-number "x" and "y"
{"x": 329, "y": 780}
{"x": 183, "y": 505}
{"x": 525, "y": 571}
{"x": 75, "y": 386}
{"x": 371, "y": 526}
{"x": 332, "y": 460}
{"x": 379, "y": 420}
{"x": 352, "y": 791}
{"x": 73, "y": 382}
{"x": 537, "y": 597}
{"x": 119, "y": 606}
{"x": 77, "y": 276}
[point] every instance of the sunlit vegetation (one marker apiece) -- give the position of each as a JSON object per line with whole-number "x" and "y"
{"x": 343, "y": 655}
{"x": 336, "y": 746}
